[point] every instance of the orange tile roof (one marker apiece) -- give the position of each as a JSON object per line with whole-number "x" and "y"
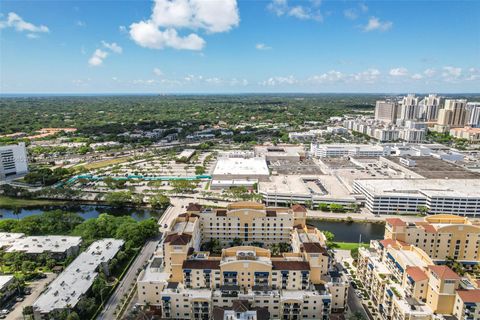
{"x": 389, "y": 242}
{"x": 444, "y": 272}
{"x": 469, "y": 295}
{"x": 426, "y": 226}
{"x": 416, "y": 273}
{"x": 396, "y": 222}
{"x": 298, "y": 208}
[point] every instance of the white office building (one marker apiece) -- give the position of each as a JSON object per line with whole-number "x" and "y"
{"x": 341, "y": 150}
{"x": 13, "y": 160}
{"x": 451, "y": 196}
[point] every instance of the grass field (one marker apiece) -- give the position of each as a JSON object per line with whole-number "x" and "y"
{"x": 104, "y": 163}
{"x": 7, "y": 202}
{"x": 349, "y": 245}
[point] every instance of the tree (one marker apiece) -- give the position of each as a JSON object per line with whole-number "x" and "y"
{"x": 213, "y": 245}
{"x": 199, "y": 170}
{"x": 86, "y": 307}
{"x": 73, "y": 316}
{"x": 117, "y": 199}
{"x": 236, "y": 242}
{"x": 423, "y": 209}
{"x": 330, "y": 237}
{"x": 183, "y": 186}
{"x": 336, "y": 207}
{"x": 159, "y": 201}
{"x": 323, "y": 207}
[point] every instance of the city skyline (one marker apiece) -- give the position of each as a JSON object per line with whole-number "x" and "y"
{"x": 238, "y": 47}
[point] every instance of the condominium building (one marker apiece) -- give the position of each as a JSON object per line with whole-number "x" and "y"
{"x": 436, "y": 196}
{"x": 453, "y": 115}
{"x": 473, "y": 112}
{"x": 71, "y": 285}
{"x": 406, "y": 284}
{"x": 13, "y": 160}
{"x": 439, "y": 236}
{"x": 386, "y": 111}
{"x": 430, "y": 106}
{"x": 409, "y": 109}
{"x": 247, "y": 280}
{"x": 468, "y": 133}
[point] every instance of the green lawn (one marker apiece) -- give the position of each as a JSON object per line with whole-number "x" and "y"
{"x": 7, "y": 202}
{"x": 349, "y": 245}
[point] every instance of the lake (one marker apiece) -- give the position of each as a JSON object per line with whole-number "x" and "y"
{"x": 350, "y": 232}
{"x": 87, "y": 211}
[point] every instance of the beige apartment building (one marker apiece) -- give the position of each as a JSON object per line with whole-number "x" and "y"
{"x": 185, "y": 283}
{"x": 440, "y": 236}
{"x": 406, "y": 283}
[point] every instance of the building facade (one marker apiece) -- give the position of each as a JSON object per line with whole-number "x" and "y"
{"x": 13, "y": 160}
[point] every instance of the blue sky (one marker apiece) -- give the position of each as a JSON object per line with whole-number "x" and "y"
{"x": 228, "y": 46}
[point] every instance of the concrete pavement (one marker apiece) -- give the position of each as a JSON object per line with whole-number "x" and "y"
{"x": 37, "y": 288}
{"x": 130, "y": 278}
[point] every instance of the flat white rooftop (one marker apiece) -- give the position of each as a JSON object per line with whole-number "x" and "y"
{"x": 325, "y": 186}
{"x": 187, "y": 153}
{"x": 241, "y": 167}
{"x": 78, "y": 277}
{"x": 40, "y": 244}
{"x": 5, "y": 280}
{"x": 7, "y": 238}
{"x": 461, "y": 188}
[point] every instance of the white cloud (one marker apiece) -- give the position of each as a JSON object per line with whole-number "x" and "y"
{"x": 417, "y": 76}
{"x": 375, "y": 23}
{"x": 158, "y": 72}
{"x": 350, "y": 14}
{"x": 32, "y": 36}
{"x": 122, "y": 29}
{"x": 363, "y": 7}
{"x": 398, "y": 72}
{"x": 262, "y": 46}
{"x": 330, "y": 76}
{"x": 100, "y": 55}
{"x": 453, "y": 72}
{"x": 310, "y": 11}
{"x": 16, "y": 22}
{"x": 369, "y": 75}
{"x": 97, "y": 58}
{"x": 429, "y": 72}
{"x": 474, "y": 74}
{"x": 112, "y": 46}
{"x": 275, "y": 81}
{"x": 160, "y": 30}
{"x": 80, "y": 23}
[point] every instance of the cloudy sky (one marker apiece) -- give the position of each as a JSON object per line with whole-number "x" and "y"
{"x": 229, "y": 46}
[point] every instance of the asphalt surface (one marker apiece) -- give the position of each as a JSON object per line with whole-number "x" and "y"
{"x": 129, "y": 279}
{"x": 354, "y": 303}
{"x": 37, "y": 288}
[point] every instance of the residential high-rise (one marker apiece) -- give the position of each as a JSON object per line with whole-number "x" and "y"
{"x": 409, "y": 108}
{"x": 430, "y": 106}
{"x": 473, "y": 112}
{"x": 386, "y": 111}
{"x": 13, "y": 160}
{"x": 453, "y": 114}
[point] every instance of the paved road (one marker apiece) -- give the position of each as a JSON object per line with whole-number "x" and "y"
{"x": 37, "y": 288}
{"x": 354, "y": 303}
{"x": 129, "y": 279}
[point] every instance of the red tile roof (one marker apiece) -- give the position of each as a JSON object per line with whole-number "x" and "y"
{"x": 314, "y": 247}
{"x": 201, "y": 264}
{"x": 444, "y": 272}
{"x": 298, "y": 208}
{"x": 290, "y": 265}
{"x": 396, "y": 222}
{"x": 469, "y": 295}
{"x": 389, "y": 242}
{"x": 426, "y": 226}
{"x": 178, "y": 239}
{"x": 194, "y": 207}
{"x": 416, "y": 273}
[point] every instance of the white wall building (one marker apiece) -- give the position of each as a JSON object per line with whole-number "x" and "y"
{"x": 70, "y": 286}
{"x": 341, "y": 150}
{"x": 452, "y": 196}
{"x": 13, "y": 160}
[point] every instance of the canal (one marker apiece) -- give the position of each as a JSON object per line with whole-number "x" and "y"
{"x": 86, "y": 211}
{"x": 351, "y": 231}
